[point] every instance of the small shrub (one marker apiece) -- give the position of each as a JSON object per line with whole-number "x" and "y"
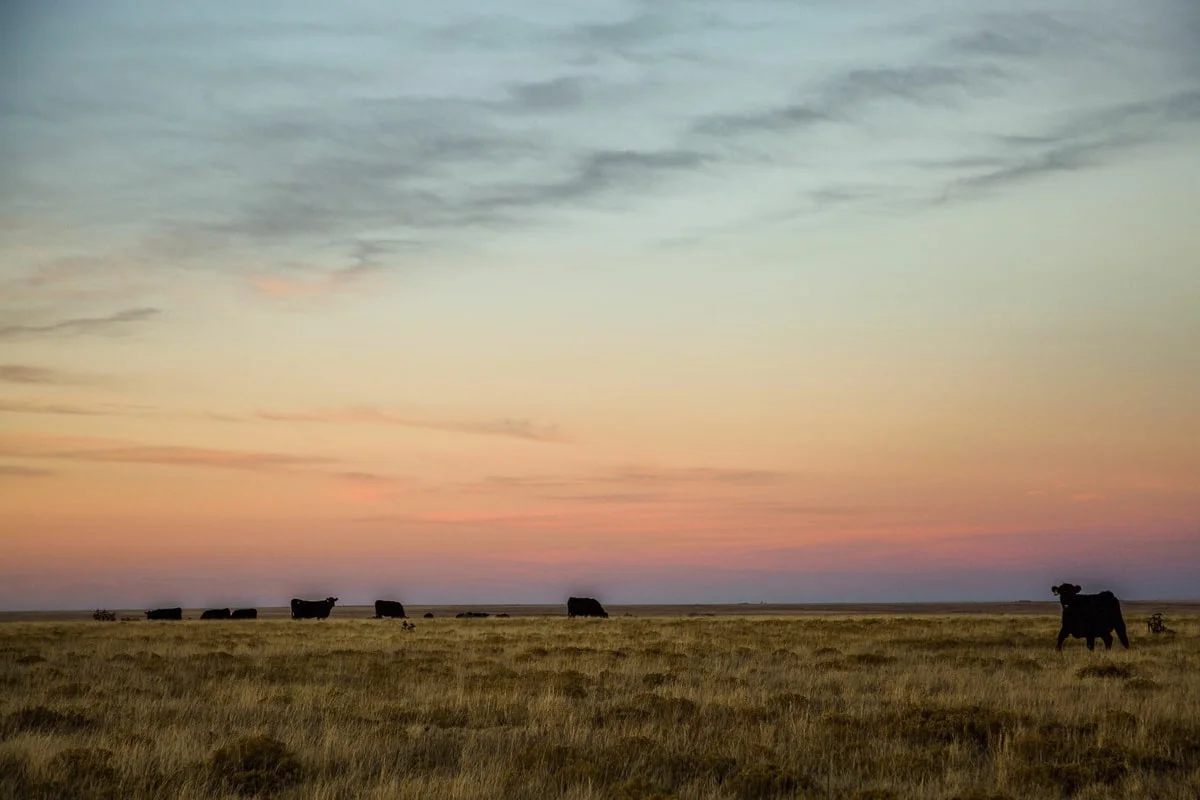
{"x": 875, "y": 794}
{"x": 1100, "y": 765}
{"x": 39, "y": 719}
{"x": 982, "y": 794}
{"x": 85, "y": 772}
{"x": 653, "y": 680}
{"x": 767, "y": 781}
{"x": 258, "y": 766}
{"x": 974, "y": 725}
{"x": 640, "y": 789}
{"x": 870, "y": 659}
{"x": 1141, "y": 684}
{"x": 104, "y": 615}
{"x": 1104, "y": 671}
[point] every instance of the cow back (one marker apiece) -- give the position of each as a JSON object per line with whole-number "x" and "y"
{"x": 585, "y": 607}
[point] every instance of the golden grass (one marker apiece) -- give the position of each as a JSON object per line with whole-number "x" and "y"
{"x": 974, "y": 708}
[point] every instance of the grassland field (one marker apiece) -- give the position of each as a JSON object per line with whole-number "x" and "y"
{"x": 864, "y": 707}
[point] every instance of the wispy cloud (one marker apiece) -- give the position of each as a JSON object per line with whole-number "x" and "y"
{"x": 16, "y": 471}
{"x": 667, "y": 475}
{"x": 25, "y": 373}
{"x": 79, "y": 325}
{"x": 512, "y": 428}
{"x": 95, "y": 450}
{"x": 41, "y": 407}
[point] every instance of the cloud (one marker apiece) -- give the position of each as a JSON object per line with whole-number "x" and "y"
{"x": 843, "y": 96}
{"x": 1083, "y": 141}
{"x": 613, "y": 498}
{"x": 512, "y": 428}
{"x": 41, "y": 407}
{"x": 24, "y": 373}
{"x": 369, "y": 478}
{"x": 79, "y": 325}
{"x": 553, "y": 95}
{"x": 94, "y": 450}
{"x": 694, "y": 475}
{"x": 15, "y": 471}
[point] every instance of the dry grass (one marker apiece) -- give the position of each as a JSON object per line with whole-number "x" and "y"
{"x": 976, "y": 708}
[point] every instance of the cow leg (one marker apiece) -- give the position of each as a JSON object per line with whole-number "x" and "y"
{"x": 1120, "y": 626}
{"x": 1107, "y": 637}
{"x": 1091, "y": 642}
{"x": 1062, "y": 637}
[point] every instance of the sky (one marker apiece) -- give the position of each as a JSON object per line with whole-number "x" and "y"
{"x": 706, "y": 301}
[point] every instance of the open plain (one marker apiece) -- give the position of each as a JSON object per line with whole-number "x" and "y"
{"x": 967, "y": 706}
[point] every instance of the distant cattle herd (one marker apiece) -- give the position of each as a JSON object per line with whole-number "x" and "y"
{"x": 320, "y": 609}
{"x": 1084, "y": 616}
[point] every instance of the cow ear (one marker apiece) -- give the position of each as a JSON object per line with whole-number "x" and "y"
{"x": 1054, "y": 589}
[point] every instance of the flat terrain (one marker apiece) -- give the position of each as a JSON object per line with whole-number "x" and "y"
{"x": 974, "y": 707}
{"x": 710, "y": 610}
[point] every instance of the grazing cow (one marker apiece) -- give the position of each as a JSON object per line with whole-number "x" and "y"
{"x": 244, "y": 613}
{"x": 428, "y": 615}
{"x": 585, "y": 607}
{"x": 389, "y": 608}
{"x": 215, "y": 613}
{"x": 312, "y": 609}
{"x": 1090, "y": 616}
{"x": 165, "y": 613}
{"x": 471, "y": 614}
{"x": 504, "y": 616}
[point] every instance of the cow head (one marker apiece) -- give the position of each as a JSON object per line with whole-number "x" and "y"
{"x": 1067, "y": 590}
{"x": 331, "y": 600}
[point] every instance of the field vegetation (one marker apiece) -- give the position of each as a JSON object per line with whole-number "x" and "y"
{"x": 855, "y": 708}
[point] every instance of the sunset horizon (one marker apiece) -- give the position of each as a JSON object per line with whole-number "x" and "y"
{"x": 654, "y": 303}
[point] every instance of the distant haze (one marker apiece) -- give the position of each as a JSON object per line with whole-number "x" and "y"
{"x": 656, "y": 302}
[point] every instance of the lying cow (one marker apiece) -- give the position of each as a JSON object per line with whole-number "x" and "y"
{"x": 389, "y": 608}
{"x": 1090, "y": 616}
{"x": 165, "y": 613}
{"x": 215, "y": 613}
{"x": 244, "y": 613}
{"x": 585, "y": 607}
{"x": 312, "y": 609}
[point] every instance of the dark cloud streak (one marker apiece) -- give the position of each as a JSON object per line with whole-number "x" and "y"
{"x": 79, "y": 325}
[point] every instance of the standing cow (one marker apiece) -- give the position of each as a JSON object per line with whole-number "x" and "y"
{"x": 165, "y": 613}
{"x": 585, "y": 607}
{"x": 389, "y": 608}
{"x": 312, "y": 609}
{"x": 215, "y": 613}
{"x": 244, "y": 613}
{"x": 1090, "y": 616}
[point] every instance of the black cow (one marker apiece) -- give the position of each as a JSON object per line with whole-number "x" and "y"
{"x": 244, "y": 613}
{"x": 471, "y": 615}
{"x": 165, "y": 613}
{"x": 389, "y": 608}
{"x": 312, "y": 609}
{"x": 428, "y": 615}
{"x": 215, "y": 613}
{"x": 585, "y": 607}
{"x": 1090, "y": 616}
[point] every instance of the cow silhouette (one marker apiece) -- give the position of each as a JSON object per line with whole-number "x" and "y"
{"x": 244, "y": 613}
{"x": 215, "y": 613}
{"x": 1090, "y": 616}
{"x": 165, "y": 613}
{"x": 389, "y": 608}
{"x": 312, "y": 609}
{"x": 585, "y": 607}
